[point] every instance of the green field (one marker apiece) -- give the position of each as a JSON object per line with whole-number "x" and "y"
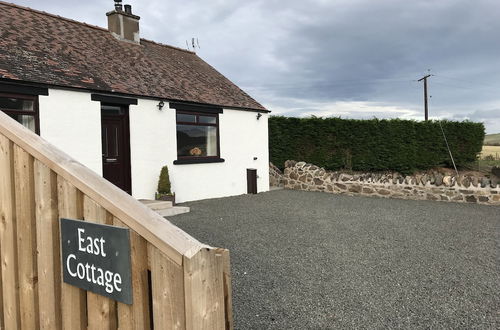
{"x": 492, "y": 140}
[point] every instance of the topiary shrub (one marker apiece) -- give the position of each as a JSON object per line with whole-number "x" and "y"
{"x": 164, "y": 181}
{"x": 164, "y": 188}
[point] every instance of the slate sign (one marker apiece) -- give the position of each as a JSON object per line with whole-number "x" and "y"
{"x": 96, "y": 258}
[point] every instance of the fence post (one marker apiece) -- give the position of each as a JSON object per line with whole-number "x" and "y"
{"x": 204, "y": 290}
{"x": 167, "y": 284}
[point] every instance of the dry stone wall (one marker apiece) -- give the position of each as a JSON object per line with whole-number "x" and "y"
{"x": 425, "y": 186}
{"x": 275, "y": 176}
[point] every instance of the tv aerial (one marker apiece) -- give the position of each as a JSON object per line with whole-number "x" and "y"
{"x": 195, "y": 44}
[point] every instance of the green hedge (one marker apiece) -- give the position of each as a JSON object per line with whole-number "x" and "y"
{"x": 373, "y": 145}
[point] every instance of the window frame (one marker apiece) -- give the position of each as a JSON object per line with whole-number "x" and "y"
{"x": 35, "y": 112}
{"x": 198, "y": 159}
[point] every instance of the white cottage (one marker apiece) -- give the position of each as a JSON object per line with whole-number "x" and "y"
{"x": 125, "y": 106}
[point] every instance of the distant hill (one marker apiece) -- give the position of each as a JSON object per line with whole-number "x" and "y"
{"x": 492, "y": 140}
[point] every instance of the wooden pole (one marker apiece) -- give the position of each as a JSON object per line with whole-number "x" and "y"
{"x": 426, "y": 102}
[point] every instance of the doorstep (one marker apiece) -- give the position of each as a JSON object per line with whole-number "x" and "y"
{"x": 164, "y": 208}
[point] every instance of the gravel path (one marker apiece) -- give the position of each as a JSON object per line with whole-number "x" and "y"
{"x": 305, "y": 260}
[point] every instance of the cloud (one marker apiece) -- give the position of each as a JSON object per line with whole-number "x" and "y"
{"x": 355, "y": 110}
{"x": 485, "y": 114}
{"x": 491, "y": 118}
{"x": 334, "y": 52}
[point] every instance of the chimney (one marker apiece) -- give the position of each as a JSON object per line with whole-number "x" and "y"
{"x": 122, "y": 24}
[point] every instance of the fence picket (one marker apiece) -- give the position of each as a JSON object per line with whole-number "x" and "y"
{"x": 73, "y": 299}
{"x": 101, "y": 310}
{"x": 136, "y": 316}
{"x": 2, "y": 326}
{"x": 26, "y": 238}
{"x": 228, "y": 300}
{"x": 49, "y": 262}
{"x": 8, "y": 244}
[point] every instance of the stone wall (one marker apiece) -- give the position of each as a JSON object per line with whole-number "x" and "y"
{"x": 432, "y": 185}
{"x": 275, "y": 176}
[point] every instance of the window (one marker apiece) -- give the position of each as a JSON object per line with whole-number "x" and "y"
{"x": 197, "y": 138}
{"x": 23, "y": 108}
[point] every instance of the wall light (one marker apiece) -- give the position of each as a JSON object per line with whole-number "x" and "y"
{"x": 259, "y": 115}
{"x": 160, "y": 105}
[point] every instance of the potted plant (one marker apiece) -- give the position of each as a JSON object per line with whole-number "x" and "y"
{"x": 164, "y": 192}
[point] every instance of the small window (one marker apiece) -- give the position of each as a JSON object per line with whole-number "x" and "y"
{"x": 197, "y": 136}
{"x": 111, "y": 110}
{"x": 183, "y": 118}
{"x": 22, "y": 108}
{"x": 16, "y": 104}
{"x": 208, "y": 120}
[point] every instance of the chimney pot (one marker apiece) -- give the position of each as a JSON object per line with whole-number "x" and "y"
{"x": 118, "y": 5}
{"x": 128, "y": 9}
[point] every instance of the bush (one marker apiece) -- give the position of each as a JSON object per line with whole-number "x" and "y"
{"x": 164, "y": 182}
{"x": 373, "y": 145}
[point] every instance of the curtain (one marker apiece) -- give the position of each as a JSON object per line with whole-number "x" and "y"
{"x": 211, "y": 141}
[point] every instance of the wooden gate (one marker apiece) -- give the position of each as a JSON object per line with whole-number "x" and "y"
{"x": 177, "y": 282}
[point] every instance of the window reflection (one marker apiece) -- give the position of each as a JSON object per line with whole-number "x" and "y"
{"x": 22, "y": 108}
{"x": 197, "y": 135}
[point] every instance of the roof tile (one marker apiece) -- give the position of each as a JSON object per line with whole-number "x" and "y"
{"x": 44, "y": 48}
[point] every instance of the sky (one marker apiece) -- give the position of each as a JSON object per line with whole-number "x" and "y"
{"x": 342, "y": 58}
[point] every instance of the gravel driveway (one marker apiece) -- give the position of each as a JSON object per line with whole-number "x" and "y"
{"x": 306, "y": 260}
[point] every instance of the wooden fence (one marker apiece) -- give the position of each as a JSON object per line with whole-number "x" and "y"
{"x": 177, "y": 282}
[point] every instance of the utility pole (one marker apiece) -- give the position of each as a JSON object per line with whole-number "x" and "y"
{"x": 425, "y": 96}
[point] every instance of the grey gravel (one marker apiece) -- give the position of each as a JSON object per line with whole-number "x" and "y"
{"x": 306, "y": 260}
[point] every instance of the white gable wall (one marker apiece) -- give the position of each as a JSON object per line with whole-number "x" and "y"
{"x": 71, "y": 121}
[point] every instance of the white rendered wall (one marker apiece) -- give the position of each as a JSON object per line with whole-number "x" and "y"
{"x": 153, "y": 144}
{"x": 72, "y": 122}
{"x": 242, "y": 137}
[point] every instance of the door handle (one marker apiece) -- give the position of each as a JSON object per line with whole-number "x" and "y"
{"x": 111, "y": 160}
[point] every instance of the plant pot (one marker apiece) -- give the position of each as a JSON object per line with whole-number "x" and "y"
{"x": 166, "y": 198}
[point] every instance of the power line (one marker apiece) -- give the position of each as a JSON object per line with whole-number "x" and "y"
{"x": 466, "y": 81}
{"x": 338, "y": 83}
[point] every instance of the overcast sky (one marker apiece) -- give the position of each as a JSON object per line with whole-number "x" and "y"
{"x": 348, "y": 58}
